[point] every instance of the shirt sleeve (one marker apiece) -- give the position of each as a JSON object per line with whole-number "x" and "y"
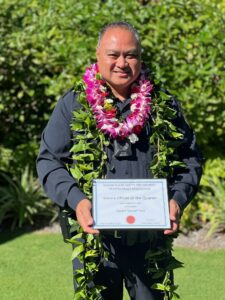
{"x": 54, "y": 154}
{"x": 185, "y": 181}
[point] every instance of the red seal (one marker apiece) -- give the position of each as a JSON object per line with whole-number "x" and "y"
{"x": 130, "y": 219}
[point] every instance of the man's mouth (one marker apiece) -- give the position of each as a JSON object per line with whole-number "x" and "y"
{"x": 121, "y": 73}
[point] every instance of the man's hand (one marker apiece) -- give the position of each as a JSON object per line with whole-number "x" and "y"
{"x": 174, "y": 217}
{"x": 84, "y": 217}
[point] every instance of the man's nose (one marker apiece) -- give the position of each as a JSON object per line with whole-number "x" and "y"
{"x": 121, "y": 62}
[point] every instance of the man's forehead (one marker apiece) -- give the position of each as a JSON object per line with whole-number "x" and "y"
{"x": 114, "y": 34}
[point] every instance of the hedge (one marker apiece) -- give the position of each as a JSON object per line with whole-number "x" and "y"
{"x": 45, "y": 46}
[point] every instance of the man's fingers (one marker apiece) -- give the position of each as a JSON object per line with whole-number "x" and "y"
{"x": 174, "y": 217}
{"x": 174, "y": 228}
{"x": 84, "y": 217}
{"x": 86, "y": 221}
{"x": 86, "y": 224}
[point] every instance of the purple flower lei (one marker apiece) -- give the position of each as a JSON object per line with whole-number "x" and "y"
{"x": 105, "y": 113}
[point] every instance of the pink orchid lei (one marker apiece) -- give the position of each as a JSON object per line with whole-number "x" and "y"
{"x": 105, "y": 113}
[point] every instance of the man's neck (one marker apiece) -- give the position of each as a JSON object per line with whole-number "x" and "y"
{"x": 122, "y": 95}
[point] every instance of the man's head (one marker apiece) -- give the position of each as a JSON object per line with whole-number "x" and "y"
{"x": 119, "y": 56}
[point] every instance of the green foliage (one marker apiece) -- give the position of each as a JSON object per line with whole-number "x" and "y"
{"x": 13, "y": 160}
{"x": 88, "y": 148}
{"x": 179, "y": 38}
{"x": 88, "y": 250}
{"x": 42, "y": 51}
{"x": 88, "y": 152}
{"x": 45, "y": 46}
{"x": 209, "y": 205}
{"x": 22, "y": 199}
{"x": 160, "y": 263}
{"x": 212, "y": 194}
{"x": 165, "y": 137}
{"x": 89, "y": 155}
{"x": 5, "y": 155}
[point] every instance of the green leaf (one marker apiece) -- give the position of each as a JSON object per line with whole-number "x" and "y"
{"x": 91, "y": 253}
{"x": 78, "y": 236}
{"x": 176, "y": 134}
{"x": 86, "y": 167}
{"x": 175, "y": 296}
{"x": 80, "y": 115}
{"x": 91, "y": 176}
{"x": 177, "y": 163}
{"x": 83, "y": 156}
{"x": 90, "y": 238}
{"x": 76, "y": 173}
{"x": 158, "y": 286}
{"x": 77, "y": 251}
{"x": 81, "y": 146}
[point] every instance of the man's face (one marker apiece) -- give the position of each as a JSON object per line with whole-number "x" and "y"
{"x": 118, "y": 57}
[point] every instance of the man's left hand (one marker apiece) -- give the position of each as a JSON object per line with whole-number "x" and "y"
{"x": 175, "y": 212}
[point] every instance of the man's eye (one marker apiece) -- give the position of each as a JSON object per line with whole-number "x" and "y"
{"x": 112, "y": 55}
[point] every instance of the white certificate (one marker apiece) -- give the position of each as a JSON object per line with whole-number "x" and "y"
{"x": 130, "y": 204}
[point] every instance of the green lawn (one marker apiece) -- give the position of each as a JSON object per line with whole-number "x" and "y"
{"x": 38, "y": 267}
{"x": 203, "y": 277}
{"x": 35, "y": 267}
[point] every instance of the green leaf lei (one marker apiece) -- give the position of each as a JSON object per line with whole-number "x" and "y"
{"x": 89, "y": 155}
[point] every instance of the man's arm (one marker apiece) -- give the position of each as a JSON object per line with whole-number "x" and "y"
{"x": 54, "y": 154}
{"x": 185, "y": 181}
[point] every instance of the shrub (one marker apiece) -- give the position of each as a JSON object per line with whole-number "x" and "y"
{"x": 212, "y": 194}
{"x": 180, "y": 38}
{"x": 45, "y": 47}
{"x": 22, "y": 199}
{"x": 209, "y": 204}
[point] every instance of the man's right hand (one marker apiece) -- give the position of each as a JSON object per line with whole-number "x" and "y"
{"x": 84, "y": 217}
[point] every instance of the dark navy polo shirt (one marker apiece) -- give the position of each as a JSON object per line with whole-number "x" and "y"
{"x": 57, "y": 140}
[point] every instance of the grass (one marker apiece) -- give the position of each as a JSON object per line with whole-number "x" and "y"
{"x": 35, "y": 267}
{"x": 38, "y": 267}
{"x": 203, "y": 276}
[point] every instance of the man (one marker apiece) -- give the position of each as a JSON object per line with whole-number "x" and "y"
{"x": 119, "y": 63}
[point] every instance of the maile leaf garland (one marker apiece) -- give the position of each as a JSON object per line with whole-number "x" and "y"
{"x": 95, "y": 125}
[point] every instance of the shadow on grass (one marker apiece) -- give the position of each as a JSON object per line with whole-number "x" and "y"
{"x": 7, "y": 234}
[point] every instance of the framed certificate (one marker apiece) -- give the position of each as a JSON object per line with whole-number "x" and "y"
{"x": 130, "y": 204}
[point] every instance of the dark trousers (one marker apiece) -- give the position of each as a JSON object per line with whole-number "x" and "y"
{"x": 125, "y": 263}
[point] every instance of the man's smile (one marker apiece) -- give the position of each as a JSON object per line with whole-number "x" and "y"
{"x": 122, "y": 73}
